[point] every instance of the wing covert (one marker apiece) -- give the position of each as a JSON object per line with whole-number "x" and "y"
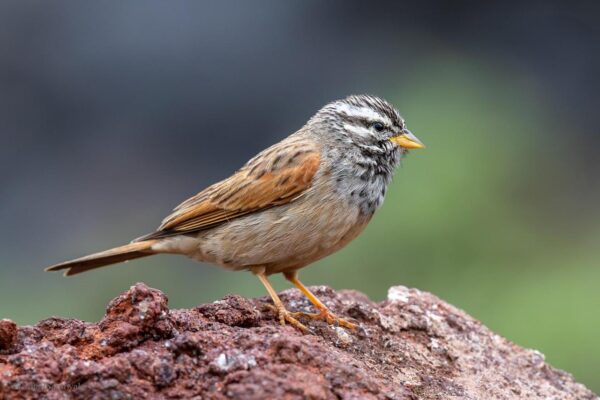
{"x": 278, "y": 175}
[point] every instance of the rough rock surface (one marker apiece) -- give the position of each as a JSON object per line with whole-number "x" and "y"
{"x": 411, "y": 346}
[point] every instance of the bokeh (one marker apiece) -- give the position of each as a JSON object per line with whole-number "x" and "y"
{"x": 113, "y": 112}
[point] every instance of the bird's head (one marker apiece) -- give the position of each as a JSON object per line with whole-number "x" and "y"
{"x": 368, "y": 122}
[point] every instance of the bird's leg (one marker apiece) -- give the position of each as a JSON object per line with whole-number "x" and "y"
{"x": 324, "y": 313}
{"x": 279, "y": 308}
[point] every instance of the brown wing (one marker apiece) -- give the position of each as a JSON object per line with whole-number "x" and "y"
{"x": 276, "y": 176}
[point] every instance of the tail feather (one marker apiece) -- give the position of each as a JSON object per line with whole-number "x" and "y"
{"x": 112, "y": 256}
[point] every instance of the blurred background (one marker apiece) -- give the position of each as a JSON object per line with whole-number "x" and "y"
{"x": 111, "y": 113}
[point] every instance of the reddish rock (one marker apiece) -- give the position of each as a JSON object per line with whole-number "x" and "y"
{"x": 8, "y": 334}
{"x": 411, "y": 346}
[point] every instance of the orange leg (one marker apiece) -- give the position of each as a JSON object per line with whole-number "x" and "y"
{"x": 324, "y": 313}
{"x": 279, "y": 308}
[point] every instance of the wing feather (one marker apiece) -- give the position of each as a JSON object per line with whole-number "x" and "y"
{"x": 278, "y": 175}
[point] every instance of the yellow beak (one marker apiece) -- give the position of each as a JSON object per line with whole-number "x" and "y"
{"x": 407, "y": 140}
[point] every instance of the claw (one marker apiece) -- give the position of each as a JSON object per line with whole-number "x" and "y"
{"x": 327, "y": 316}
{"x": 286, "y": 316}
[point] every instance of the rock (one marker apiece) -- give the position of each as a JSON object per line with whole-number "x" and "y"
{"x": 8, "y": 334}
{"x": 411, "y": 346}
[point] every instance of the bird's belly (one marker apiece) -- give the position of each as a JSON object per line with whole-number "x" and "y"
{"x": 281, "y": 238}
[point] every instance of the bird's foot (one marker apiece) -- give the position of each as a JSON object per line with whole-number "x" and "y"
{"x": 327, "y": 316}
{"x": 286, "y": 316}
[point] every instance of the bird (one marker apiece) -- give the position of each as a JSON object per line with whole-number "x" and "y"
{"x": 294, "y": 203}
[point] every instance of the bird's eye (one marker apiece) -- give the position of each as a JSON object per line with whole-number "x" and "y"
{"x": 378, "y": 126}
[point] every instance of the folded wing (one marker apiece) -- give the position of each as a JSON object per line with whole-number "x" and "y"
{"x": 278, "y": 175}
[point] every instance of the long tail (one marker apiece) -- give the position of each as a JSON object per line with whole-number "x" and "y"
{"x": 108, "y": 257}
